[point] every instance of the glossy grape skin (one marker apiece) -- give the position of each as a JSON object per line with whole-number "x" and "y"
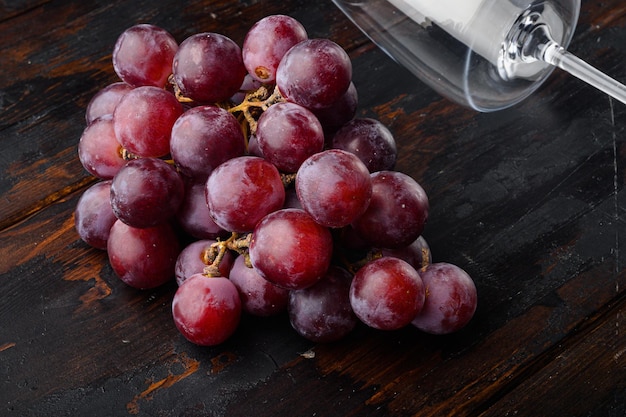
{"x": 93, "y": 216}
{"x": 143, "y": 121}
{"x": 143, "y": 55}
{"x": 322, "y": 313}
{"x": 451, "y": 299}
{"x": 193, "y": 215}
{"x": 370, "y": 140}
{"x": 146, "y": 192}
{"x": 397, "y": 212}
{"x": 334, "y": 187}
{"x": 143, "y": 258}
{"x": 104, "y": 101}
{"x": 99, "y": 151}
{"x": 203, "y": 138}
{"x": 266, "y": 43}
{"x": 315, "y": 73}
{"x": 387, "y": 293}
{"x": 288, "y": 134}
{"x": 259, "y": 297}
{"x": 241, "y": 191}
{"x": 191, "y": 261}
{"x": 208, "y": 68}
{"x": 290, "y": 249}
{"x": 206, "y": 311}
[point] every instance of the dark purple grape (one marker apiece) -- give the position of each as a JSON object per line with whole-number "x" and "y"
{"x": 241, "y": 191}
{"x": 291, "y": 199}
{"x": 204, "y": 137}
{"x": 143, "y": 258}
{"x": 290, "y": 249}
{"x": 104, "y": 101}
{"x": 266, "y": 43}
{"x": 315, "y": 73}
{"x": 253, "y": 146}
{"x": 322, "y": 312}
{"x": 387, "y": 293}
{"x": 98, "y": 149}
{"x": 397, "y": 212}
{"x": 208, "y": 67}
{"x": 417, "y": 254}
{"x": 338, "y": 113}
{"x": 146, "y": 192}
{"x": 451, "y": 299}
{"x": 143, "y": 55}
{"x": 259, "y": 297}
{"x": 370, "y": 140}
{"x": 143, "y": 121}
{"x": 287, "y": 134}
{"x": 206, "y": 311}
{"x": 194, "y": 217}
{"x": 93, "y": 216}
{"x": 334, "y": 187}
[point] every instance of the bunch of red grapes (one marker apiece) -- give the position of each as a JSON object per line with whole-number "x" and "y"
{"x": 243, "y": 173}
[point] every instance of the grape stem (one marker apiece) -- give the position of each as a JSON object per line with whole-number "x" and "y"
{"x": 255, "y": 103}
{"x": 214, "y": 254}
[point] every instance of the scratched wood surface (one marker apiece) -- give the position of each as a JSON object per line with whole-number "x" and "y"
{"x": 530, "y": 201}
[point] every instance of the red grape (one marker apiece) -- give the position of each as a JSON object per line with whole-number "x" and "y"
{"x": 143, "y": 121}
{"x": 105, "y": 100}
{"x": 322, "y": 312}
{"x": 315, "y": 73}
{"x": 397, "y": 212}
{"x": 93, "y": 216}
{"x": 290, "y": 249}
{"x": 143, "y": 55}
{"x": 451, "y": 299}
{"x": 206, "y": 311}
{"x": 334, "y": 186}
{"x": 241, "y": 191}
{"x": 98, "y": 149}
{"x": 387, "y": 293}
{"x": 370, "y": 140}
{"x": 146, "y": 192}
{"x": 259, "y": 297}
{"x": 287, "y": 134}
{"x": 266, "y": 43}
{"x": 204, "y": 137}
{"x": 143, "y": 258}
{"x": 208, "y": 67}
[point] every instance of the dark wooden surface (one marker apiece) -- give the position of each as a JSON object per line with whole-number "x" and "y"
{"x": 530, "y": 201}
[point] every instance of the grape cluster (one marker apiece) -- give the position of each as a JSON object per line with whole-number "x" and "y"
{"x": 245, "y": 174}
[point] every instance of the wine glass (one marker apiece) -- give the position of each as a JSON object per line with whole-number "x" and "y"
{"x": 485, "y": 54}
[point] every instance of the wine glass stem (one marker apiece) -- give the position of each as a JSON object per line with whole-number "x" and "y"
{"x": 557, "y": 55}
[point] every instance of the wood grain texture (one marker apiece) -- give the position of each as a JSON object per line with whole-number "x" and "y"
{"x": 529, "y": 200}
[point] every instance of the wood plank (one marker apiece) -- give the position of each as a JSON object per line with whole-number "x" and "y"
{"x": 530, "y": 201}
{"x": 587, "y": 378}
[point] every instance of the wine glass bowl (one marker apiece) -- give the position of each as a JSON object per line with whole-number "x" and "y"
{"x": 484, "y": 54}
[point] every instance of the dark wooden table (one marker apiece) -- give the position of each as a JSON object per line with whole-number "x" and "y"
{"x": 530, "y": 201}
